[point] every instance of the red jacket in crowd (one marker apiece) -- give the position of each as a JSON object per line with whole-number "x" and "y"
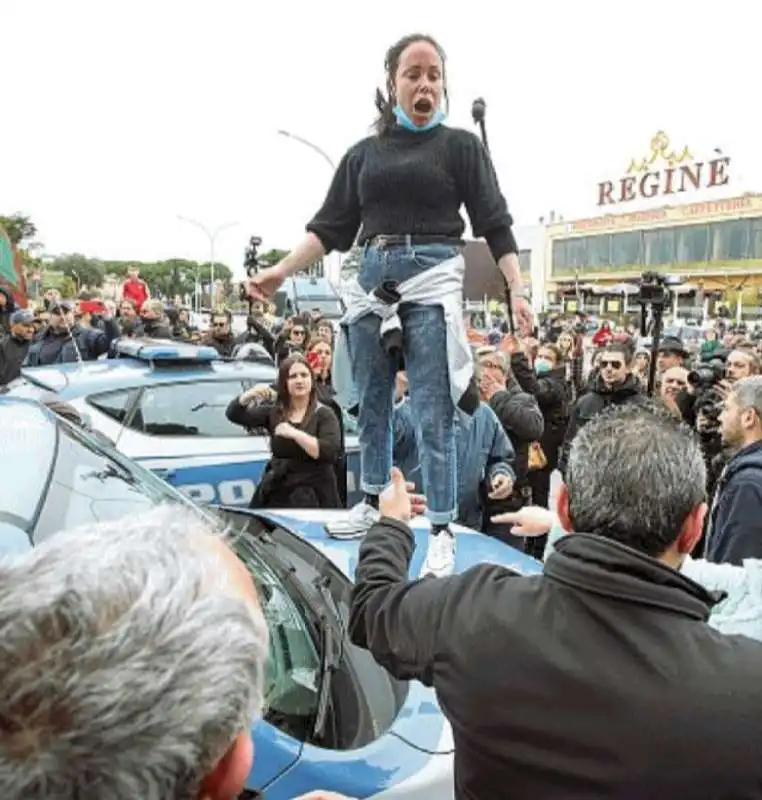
{"x": 602, "y": 336}
{"x": 135, "y": 290}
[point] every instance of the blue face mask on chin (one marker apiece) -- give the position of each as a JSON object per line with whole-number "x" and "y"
{"x": 405, "y": 122}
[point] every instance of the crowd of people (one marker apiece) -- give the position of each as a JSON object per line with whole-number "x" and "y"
{"x": 134, "y": 652}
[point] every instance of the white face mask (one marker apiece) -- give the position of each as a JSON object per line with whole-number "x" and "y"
{"x": 542, "y": 365}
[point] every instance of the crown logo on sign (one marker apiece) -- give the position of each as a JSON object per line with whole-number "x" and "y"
{"x": 660, "y": 150}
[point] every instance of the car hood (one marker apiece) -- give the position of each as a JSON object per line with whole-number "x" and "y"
{"x": 471, "y": 548}
{"x": 420, "y": 722}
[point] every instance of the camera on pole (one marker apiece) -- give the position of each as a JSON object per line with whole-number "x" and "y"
{"x": 653, "y": 296}
{"x": 251, "y": 265}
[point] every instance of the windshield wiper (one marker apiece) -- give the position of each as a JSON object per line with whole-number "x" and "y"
{"x": 330, "y": 657}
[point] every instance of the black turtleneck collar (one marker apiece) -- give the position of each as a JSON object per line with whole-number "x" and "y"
{"x": 608, "y": 568}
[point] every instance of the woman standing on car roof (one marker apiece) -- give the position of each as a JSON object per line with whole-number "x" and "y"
{"x": 402, "y": 190}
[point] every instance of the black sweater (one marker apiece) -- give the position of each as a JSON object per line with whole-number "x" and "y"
{"x": 415, "y": 183}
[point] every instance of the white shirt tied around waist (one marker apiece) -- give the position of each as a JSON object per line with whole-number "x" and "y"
{"x": 442, "y": 286}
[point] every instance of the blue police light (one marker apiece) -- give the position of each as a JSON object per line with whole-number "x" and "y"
{"x": 160, "y": 350}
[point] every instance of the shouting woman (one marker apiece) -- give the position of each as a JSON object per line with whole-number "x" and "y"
{"x": 402, "y": 190}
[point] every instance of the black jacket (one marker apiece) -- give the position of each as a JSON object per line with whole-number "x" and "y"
{"x": 735, "y": 531}
{"x": 553, "y": 394}
{"x": 595, "y": 401}
{"x": 13, "y": 351}
{"x": 51, "y": 347}
{"x": 521, "y": 419}
{"x": 597, "y": 679}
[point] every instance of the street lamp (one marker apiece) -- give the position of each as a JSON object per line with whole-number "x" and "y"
{"x": 212, "y": 235}
{"x": 327, "y": 159}
{"x": 311, "y": 145}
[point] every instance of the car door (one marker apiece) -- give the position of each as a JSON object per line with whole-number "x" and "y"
{"x": 180, "y": 432}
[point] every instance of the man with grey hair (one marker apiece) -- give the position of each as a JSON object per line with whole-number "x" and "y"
{"x": 599, "y": 677}
{"x": 131, "y": 662}
{"x": 735, "y": 524}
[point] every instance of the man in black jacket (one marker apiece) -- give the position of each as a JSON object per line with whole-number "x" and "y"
{"x": 523, "y": 422}
{"x": 599, "y": 677}
{"x": 614, "y": 385}
{"x": 13, "y": 348}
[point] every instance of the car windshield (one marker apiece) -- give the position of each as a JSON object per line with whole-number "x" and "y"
{"x": 22, "y": 387}
{"x": 292, "y": 680}
{"x": 27, "y": 451}
{"x": 90, "y": 482}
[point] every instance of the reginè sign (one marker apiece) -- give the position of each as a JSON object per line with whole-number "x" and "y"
{"x": 664, "y": 172}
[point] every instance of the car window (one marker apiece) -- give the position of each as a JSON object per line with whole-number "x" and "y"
{"x": 187, "y": 409}
{"x": 88, "y": 485}
{"x": 112, "y": 404}
{"x": 292, "y": 679}
{"x": 27, "y": 448}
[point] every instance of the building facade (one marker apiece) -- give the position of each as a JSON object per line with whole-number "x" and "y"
{"x": 685, "y": 227}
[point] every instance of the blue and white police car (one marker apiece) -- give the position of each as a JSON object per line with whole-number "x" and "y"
{"x": 334, "y": 719}
{"x": 163, "y": 405}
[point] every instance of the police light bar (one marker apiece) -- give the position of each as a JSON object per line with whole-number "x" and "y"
{"x": 161, "y": 350}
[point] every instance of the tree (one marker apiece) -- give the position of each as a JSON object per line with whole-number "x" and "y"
{"x": 82, "y": 270}
{"x": 272, "y": 257}
{"x": 19, "y": 228}
{"x": 67, "y": 287}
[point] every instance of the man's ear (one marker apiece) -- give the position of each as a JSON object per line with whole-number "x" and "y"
{"x": 228, "y": 776}
{"x": 691, "y": 530}
{"x": 562, "y": 509}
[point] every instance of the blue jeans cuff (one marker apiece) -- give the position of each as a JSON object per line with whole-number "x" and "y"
{"x": 373, "y": 488}
{"x": 441, "y": 517}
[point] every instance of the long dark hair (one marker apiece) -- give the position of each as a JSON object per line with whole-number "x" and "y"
{"x": 385, "y": 103}
{"x": 283, "y": 395}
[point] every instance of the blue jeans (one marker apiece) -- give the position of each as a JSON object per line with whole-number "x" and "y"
{"x": 374, "y": 370}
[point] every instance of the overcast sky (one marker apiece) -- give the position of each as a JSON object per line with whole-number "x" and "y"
{"x": 118, "y": 116}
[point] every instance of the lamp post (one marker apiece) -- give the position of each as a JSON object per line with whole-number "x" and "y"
{"x": 212, "y": 235}
{"x": 311, "y": 145}
{"x": 331, "y": 163}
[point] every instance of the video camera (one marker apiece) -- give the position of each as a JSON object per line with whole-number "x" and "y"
{"x": 707, "y": 375}
{"x": 251, "y": 264}
{"x": 652, "y": 295}
{"x": 653, "y": 291}
{"x": 709, "y": 402}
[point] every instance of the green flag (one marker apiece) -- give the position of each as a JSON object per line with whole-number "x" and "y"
{"x": 7, "y": 265}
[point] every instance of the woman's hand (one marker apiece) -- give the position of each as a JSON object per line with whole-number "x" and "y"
{"x": 529, "y": 521}
{"x": 285, "y": 430}
{"x": 264, "y": 284}
{"x": 259, "y": 392}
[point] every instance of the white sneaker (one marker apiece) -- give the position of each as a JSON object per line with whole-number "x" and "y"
{"x": 356, "y": 524}
{"x": 440, "y": 558}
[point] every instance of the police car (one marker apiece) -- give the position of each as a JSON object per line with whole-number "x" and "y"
{"x": 334, "y": 719}
{"x": 163, "y": 404}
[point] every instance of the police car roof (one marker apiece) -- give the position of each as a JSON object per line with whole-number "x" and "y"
{"x": 74, "y": 379}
